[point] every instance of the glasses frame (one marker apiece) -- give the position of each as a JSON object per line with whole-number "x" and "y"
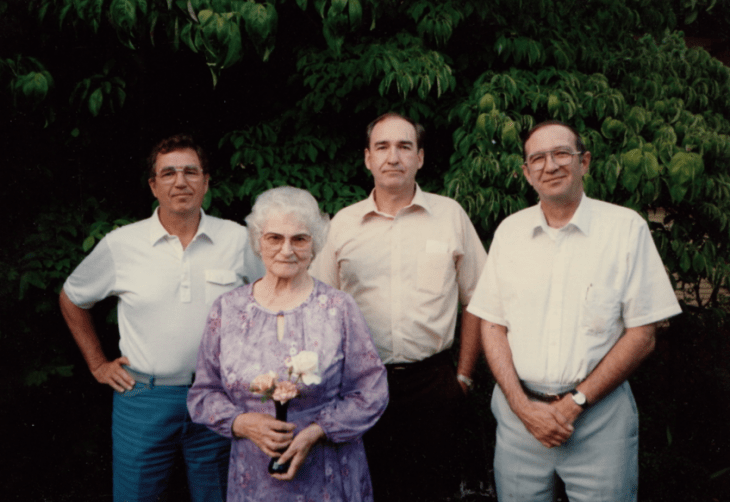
{"x": 302, "y": 245}
{"x": 552, "y": 156}
{"x": 189, "y": 177}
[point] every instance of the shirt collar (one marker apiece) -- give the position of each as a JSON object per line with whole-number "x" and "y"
{"x": 370, "y": 208}
{"x": 581, "y": 219}
{"x": 158, "y": 232}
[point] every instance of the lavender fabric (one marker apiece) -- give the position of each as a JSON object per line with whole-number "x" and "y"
{"x": 240, "y": 343}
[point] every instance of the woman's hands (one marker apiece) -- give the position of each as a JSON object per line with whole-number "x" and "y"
{"x": 298, "y": 450}
{"x": 266, "y": 432}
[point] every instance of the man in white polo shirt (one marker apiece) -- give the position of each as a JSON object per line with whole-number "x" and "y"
{"x": 569, "y": 300}
{"x": 166, "y": 271}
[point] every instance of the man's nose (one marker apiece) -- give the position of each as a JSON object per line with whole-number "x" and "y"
{"x": 550, "y": 164}
{"x": 393, "y": 157}
{"x": 180, "y": 179}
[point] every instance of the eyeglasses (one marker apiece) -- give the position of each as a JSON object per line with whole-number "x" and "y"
{"x": 274, "y": 242}
{"x": 560, "y": 156}
{"x": 168, "y": 175}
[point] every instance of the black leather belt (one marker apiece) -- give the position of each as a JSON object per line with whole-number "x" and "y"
{"x": 545, "y": 398}
{"x": 402, "y": 369}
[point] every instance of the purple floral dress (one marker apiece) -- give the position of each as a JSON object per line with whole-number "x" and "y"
{"x": 240, "y": 343}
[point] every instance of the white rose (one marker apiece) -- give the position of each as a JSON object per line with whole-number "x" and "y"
{"x": 306, "y": 364}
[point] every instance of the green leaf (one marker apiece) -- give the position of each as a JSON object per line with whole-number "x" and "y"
{"x": 553, "y": 105}
{"x": 632, "y": 159}
{"x": 97, "y": 97}
{"x": 698, "y": 263}
{"x": 88, "y": 243}
{"x": 486, "y": 104}
{"x": 650, "y": 166}
{"x": 685, "y": 262}
{"x": 685, "y": 166}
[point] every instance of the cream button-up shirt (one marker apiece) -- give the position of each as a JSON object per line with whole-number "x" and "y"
{"x": 407, "y": 272}
{"x": 567, "y": 295}
{"x": 164, "y": 292}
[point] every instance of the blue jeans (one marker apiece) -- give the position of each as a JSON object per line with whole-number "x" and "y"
{"x": 150, "y": 425}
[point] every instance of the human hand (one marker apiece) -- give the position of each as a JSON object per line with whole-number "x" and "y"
{"x": 568, "y": 408}
{"x": 112, "y": 373}
{"x": 546, "y": 423}
{"x": 266, "y": 432}
{"x": 298, "y": 450}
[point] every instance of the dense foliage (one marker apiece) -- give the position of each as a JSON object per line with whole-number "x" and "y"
{"x": 280, "y": 91}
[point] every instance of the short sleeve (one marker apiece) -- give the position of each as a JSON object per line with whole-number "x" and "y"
{"x": 649, "y": 296}
{"x": 486, "y": 303}
{"x": 94, "y": 279}
{"x": 469, "y": 266}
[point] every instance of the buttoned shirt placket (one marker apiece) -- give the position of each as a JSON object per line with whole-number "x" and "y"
{"x": 396, "y": 283}
{"x": 184, "y": 263}
{"x": 554, "y": 322}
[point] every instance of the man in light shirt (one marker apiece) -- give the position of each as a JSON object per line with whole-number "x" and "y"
{"x": 409, "y": 259}
{"x": 166, "y": 272}
{"x": 569, "y": 301}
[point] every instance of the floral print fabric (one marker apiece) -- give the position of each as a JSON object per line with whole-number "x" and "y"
{"x": 240, "y": 343}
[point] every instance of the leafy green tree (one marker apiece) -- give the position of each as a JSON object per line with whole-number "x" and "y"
{"x": 279, "y": 92}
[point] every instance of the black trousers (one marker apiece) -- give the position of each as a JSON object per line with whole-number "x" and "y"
{"x": 415, "y": 451}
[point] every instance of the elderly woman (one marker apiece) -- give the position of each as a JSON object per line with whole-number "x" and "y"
{"x": 262, "y": 330}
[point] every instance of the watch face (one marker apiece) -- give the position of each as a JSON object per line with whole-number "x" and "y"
{"x": 579, "y": 398}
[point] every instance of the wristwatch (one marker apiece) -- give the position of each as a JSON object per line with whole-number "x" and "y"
{"x": 579, "y": 398}
{"x": 466, "y": 381}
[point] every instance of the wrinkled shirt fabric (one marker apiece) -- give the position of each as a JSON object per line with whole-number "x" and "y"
{"x": 240, "y": 342}
{"x": 567, "y": 295}
{"x": 407, "y": 272}
{"x": 164, "y": 291}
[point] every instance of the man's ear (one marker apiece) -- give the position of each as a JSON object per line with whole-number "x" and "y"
{"x": 526, "y": 172}
{"x": 153, "y": 186}
{"x": 585, "y": 162}
{"x": 367, "y": 159}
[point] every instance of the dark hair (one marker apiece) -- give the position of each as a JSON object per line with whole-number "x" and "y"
{"x": 420, "y": 131}
{"x": 173, "y": 144}
{"x": 579, "y": 145}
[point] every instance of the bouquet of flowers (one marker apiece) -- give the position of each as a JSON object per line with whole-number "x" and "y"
{"x": 304, "y": 368}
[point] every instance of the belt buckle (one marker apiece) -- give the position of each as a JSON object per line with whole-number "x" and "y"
{"x": 552, "y": 397}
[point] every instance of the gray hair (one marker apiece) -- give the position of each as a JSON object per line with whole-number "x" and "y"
{"x": 284, "y": 201}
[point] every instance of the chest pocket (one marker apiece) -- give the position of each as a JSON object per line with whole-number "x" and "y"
{"x": 217, "y": 282}
{"x": 434, "y": 271}
{"x": 601, "y": 312}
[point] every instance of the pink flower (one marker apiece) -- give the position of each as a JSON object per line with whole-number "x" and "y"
{"x": 285, "y": 391}
{"x": 263, "y": 383}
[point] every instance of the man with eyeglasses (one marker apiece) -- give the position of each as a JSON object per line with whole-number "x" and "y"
{"x": 569, "y": 300}
{"x": 409, "y": 258}
{"x": 166, "y": 272}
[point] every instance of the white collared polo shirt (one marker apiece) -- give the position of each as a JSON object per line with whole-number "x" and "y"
{"x": 164, "y": 292}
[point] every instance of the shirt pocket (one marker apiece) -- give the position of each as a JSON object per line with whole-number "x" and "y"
{"x": 433, "y": 271}
{"x": 601, "y": 311}
{"x": 217, "y": 282}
